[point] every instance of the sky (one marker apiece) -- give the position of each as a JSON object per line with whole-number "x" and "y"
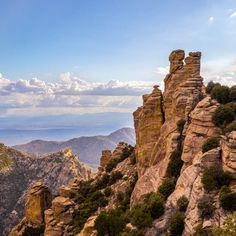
{"x": 76, "y": 56}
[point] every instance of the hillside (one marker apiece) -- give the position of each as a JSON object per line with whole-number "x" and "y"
{"x": 87, "y": 148}
{"x": 179, "y": 179}
{"x": 18, "y": 172}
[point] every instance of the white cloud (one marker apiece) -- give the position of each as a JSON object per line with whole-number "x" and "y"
{"x": 232, "y": 15}
{"x": 162, "y": 70}
{"x": 70, "y": 92}
{"x": 211, "y": 19}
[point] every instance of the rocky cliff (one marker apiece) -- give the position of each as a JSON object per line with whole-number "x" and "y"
{"x": 18, "y": 172}
{"x": 179, "y": 180}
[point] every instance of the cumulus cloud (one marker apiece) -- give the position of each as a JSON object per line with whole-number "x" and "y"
{"x": 232, "y": 15}
{"x": 162, "y": 70}
{"x": 211, "y": 19}
{"x": 70, "y": 92}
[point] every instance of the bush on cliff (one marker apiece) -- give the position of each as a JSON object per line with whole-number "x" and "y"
{"x": 214, "y": 178}
{"x": 221, "y": 93}
{"x": 210, "y": 143}
{"x": 114, "y": 177}
{"x": 176, "y": 225}
{"x": 182, "y": 203}
{"x": 167, "y": 187}
{"x": 111, "y": 165}
{"x": 231, "y": 127}
{"x": 110, "y": 223}
{"x": 175, "y": 164}
{"x": 200, "y": 231}
{"x": 210, "y": 86}
{"x": 227, "y": 199}
{"x": 223, "y": 116}
{"x": 232, "y": 93}
{"x": 205, "y": 207}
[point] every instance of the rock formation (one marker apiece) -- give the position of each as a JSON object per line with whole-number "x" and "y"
{"x": 21, "y": 171}
{"x": 183, "y": 90}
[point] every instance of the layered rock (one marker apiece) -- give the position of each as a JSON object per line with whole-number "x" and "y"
{"x": 148, "y": 120}
{"x": 38, "y": 200}
{"x": 183, "y": 90}
{"x": 228, "y": 144}
{"x": 20, "y": 173}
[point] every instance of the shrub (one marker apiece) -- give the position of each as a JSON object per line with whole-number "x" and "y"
{"x": 182, "y": 203}
{"x": 175, "y": 164}
{"x": 210, "y": 143}
{"x": 115, "y": 176}
{"x": 232, "y": 93}
{"x": 231, "y": 127}
{"x": 111, "y": 165}
{"x": 213, "y": 178}
{"x": 210, "y": 86}
{"x": 221, "y": 93}
{"x": 155, "y": 204}
{"x": 227, "y": 199}
{"x": 110, "y": 223}
{"x": 133, "y": 158}
{"x": 176, "y": 225}
{"x": 167, "y": 187}
{"x": 223, "y": 116}
{"x": 229, "y": 228}
{"x": 108, "y": 191}
{"x": 101, "y": 183}
{"x": 141, "y": 216}
{"x": 180, "y": 125}
{"x": 127, "y": 151}
{"x": 205, "y": 208}
{"x": 200, "y": 231}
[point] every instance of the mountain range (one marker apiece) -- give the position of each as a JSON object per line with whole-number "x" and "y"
{"x": 87, "y": 148}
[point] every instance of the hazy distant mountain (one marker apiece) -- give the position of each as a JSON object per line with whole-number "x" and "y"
{"x": 87, "y": 148}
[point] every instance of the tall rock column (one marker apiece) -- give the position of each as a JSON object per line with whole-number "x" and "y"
{"x": 148, "y": 120}
{"x": 183, "y": 91}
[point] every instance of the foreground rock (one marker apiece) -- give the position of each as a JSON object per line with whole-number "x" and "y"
{"x": 21, "y": 171}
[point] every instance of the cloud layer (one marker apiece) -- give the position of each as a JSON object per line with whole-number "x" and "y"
{"x": 69, "y": 95}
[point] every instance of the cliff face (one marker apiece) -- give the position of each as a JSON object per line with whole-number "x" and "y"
{"x": 18, "y": 172}
{"x": 77, "y": 205}
{"x": 183, "y": 90}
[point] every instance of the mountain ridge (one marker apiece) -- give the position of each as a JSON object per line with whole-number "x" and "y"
{"x": 88, "y": 148}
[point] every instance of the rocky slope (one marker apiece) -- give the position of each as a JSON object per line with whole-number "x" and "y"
{"x": 18, "y": 172}
{"x": 88, "y": 148}
{"x": 63, "y": 215}
{"x": 184, "y": 163}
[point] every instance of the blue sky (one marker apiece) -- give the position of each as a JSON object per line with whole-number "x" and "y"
{"x": 90, "y": 56}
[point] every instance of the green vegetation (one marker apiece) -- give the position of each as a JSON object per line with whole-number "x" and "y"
{"x": 175, "y": 164}
{"x": 114, "y": 177}
{"x": 227, "y": 199}
{"x": 210, "y": 143}
{"x": 205, "y": 207}
{"x": 229, "y": 228}
{"x": 167, "y": 187}
{"x": 182, "y": 204}
{"x": 200, "y": 231}
{"x": 153, "y": 207}
{"x": 223, "y": 116}
{"x": 127, "y": 152}
{"x": 214, "y": 178}
{"x": 231, "y": 127}
{"x": 108, "y": 191}
{"x": 110, "y": 223}
{"x": 176, "y": 225}
{"x": 221, "y": 94}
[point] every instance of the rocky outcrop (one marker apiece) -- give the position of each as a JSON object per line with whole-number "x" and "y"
{"x": 148, "y": 120}
{"x": 20, "y": 172}
{"x": 106, "y": 156}
{"x": 38, "y": 200}
{"x": 183, "y": 91}
{"x": 228, "y": 144}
